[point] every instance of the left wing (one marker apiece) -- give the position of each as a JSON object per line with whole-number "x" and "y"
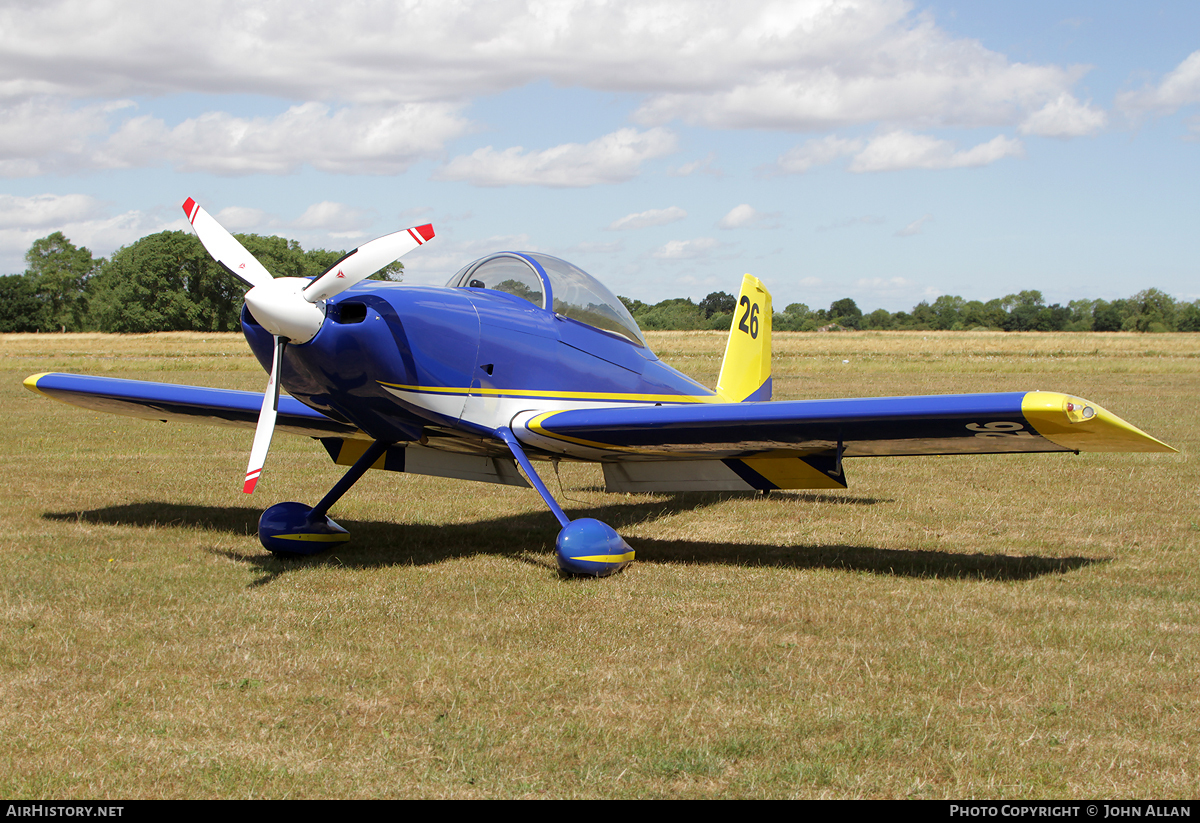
{"x": 168, "y": 401}
{"x": 197, "y": 404}
{"x": 800, "y": 444}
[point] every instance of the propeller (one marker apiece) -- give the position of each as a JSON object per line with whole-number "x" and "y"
{"x": 364, "y": 261}
{"x": 266, "y": 421}
{"x": 292, "y": 309}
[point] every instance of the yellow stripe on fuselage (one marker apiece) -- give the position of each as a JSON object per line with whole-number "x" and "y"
{"x": 560, "y": 395}
{"x": 1081, "y": 425}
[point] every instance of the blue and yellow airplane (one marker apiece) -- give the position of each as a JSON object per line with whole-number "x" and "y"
{"x": 524, "y": 357}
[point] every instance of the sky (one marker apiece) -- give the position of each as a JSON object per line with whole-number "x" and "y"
{"x": 881, "y": 150}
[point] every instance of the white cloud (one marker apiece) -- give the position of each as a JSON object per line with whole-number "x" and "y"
{"x": 1064, "y": 117}
{"x": 738, "y": 217}
{"x": 333, "y": 217}
{"x": 685, "y": 249}
{"x": 1181, "y": 87}
{"x": 378, "y": 86}
{"x": 352, "y": 140}
{"x": 242, "y": 218}
{"x": 746, "y": 216}
{"x": 824, "y": 65}
{"x": 815, "y": 64}
{"x": 915, "y": 226}
{"x": 613, "y": 158}
{"x": 646, "y": 219}
{"x": 46, "y": 211}
{"x": 816, "y": 152}
{"x": 41, "y": 134}
{"x": 904, "y": 150}
{"x": 101, "y": 234}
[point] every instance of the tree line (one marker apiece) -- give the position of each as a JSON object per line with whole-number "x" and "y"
{"x": 1150, "y": 310}
{"x": 163, "y": 282}
{"x": 168, "y": 282}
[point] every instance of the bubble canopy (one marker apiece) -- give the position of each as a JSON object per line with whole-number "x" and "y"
{"x": 550, "y": 283}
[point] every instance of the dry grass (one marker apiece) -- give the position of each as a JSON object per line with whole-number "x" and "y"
{"x": 1021, "y": 626}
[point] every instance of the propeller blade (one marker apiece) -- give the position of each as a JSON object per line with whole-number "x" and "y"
{"x": 224, "y": 247}
{"x": 266, "y": 421}
{"x": 364, "y": 261}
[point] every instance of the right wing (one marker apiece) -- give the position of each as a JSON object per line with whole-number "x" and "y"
{"x": 193, "y": 404}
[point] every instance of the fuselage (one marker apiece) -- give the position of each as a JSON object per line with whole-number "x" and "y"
{"x": 407, "y": 363}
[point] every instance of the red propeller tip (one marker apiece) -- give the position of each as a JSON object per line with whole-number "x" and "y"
{"x": 426, "y": 231}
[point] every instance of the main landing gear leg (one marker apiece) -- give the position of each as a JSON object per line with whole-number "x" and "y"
{"x": 293, "y": 528}
{"x": 584, "y": 546}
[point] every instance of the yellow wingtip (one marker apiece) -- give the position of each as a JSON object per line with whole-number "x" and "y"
{"x": 31, "y": 382}
{"x": 1081, "y": 425}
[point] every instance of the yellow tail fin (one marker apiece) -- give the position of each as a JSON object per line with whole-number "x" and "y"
{"x": 746, "y": 370}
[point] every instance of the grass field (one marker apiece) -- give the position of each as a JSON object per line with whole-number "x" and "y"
{"x": 999, "y": 626}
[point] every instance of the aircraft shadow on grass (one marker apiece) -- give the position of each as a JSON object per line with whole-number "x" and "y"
{"x": 522, "y": 536}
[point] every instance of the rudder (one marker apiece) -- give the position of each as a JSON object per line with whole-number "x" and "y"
{"x": 746, "y": 369}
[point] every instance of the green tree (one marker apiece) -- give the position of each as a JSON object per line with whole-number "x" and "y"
{"x": 1153, "y": 311}
{"x": 845, "y": 312}
{"x": 948, "y": 312}
{"x": 676, "y": 313}
{"x": 1109, "y": 316}
{"x": 1082, "y": 315}
{"x": 1189, "y": 317}
{"x": 21, "y": 307}
{"x": 634, "y": 307}
{"x": 717, "y": 309}
{"x": 881, "y": 320}
{"x": 165, "y": 282}
{"x": 976, "y": 314}
{"x": 168, "y": 282}
{"x": 1025, "y": 312}
{"x": 718, "y": 302}
{"x": 796, "y": 317}
{"x": 923, "y": 316}
{"x": 59, "y": 270}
